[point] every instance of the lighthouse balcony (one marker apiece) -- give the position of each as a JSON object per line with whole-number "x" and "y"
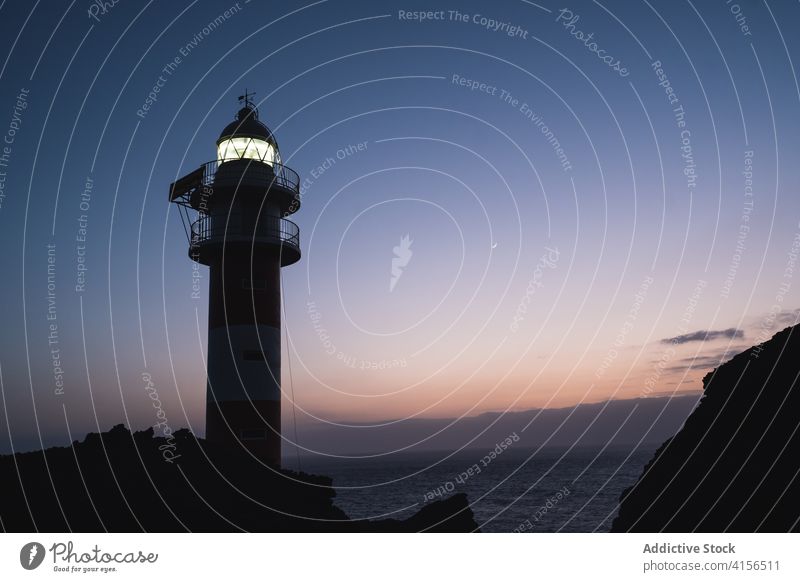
{"x": 243, "y": 178}
{"x": 213, "y": 233}
{"x": 235, "y": 172}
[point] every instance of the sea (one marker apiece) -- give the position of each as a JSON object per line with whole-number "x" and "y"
{"x": 534, "y": 490}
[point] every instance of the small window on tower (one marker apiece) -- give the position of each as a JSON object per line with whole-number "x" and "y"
{"x": 257, "y": 285}
{"x": 254, "y": 356}
{"x": 253, "y": 434}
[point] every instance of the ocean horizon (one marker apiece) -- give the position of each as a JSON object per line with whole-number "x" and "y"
{"x": 519, "y": 490}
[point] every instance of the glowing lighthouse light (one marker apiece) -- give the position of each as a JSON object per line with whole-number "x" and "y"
{"x": 246, "y": 138}
{"x": 250, "y": 148}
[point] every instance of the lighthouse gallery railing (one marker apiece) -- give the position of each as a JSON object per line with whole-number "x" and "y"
{"x": 284, "y": 176}
{"x": 236, "y": 227}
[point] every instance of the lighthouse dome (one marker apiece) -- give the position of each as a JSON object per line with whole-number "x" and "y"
{"x": 247, "y": 138}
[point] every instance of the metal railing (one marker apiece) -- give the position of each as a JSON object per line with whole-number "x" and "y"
{"x": 236, "y": 227}
{"x": 284, "y": 176}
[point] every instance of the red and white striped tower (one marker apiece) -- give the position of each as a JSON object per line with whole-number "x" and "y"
{"x": 241, "y": 233}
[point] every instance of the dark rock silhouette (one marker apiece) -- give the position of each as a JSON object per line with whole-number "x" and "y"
{"x": 122, "y": 482}
{"x": 734, "y": 465}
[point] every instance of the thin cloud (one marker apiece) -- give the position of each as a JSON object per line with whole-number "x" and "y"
{"x": 675, "y": 393}
{"x": 788, "y": 317}
{"x": 704, "y": 335}
{"x": 712, "y": 358}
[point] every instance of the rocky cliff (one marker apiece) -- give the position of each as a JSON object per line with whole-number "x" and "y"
{"x": 735, "y": 464}
{"x": 123, "y": 482}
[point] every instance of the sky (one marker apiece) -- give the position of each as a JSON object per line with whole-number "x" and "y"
{"x": 598, "y": 201}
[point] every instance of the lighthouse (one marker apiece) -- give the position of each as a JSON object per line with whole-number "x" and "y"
{"x": 235, "y": 212}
